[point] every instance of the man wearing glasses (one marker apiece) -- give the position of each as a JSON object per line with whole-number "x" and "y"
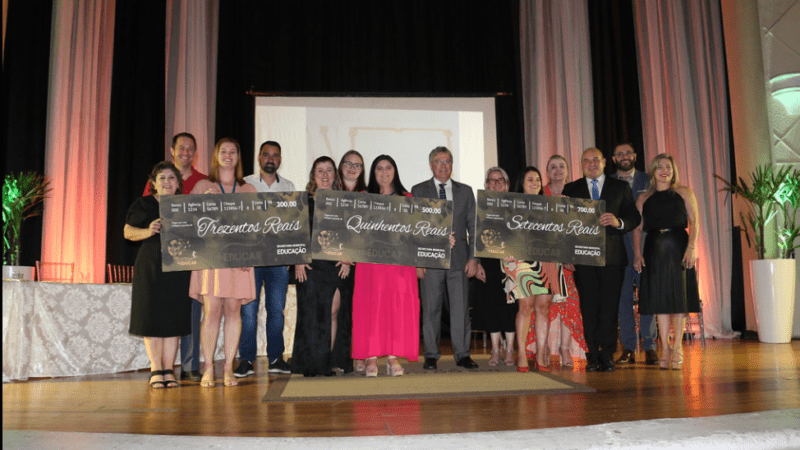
{"x": 625, "y": 159}
{"x": 275, "y": 279}
{"x": 434, "y": 282}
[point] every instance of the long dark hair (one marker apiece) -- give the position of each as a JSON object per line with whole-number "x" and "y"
{"x": 521, "y": 179}
{"x": 361, "y": 186}
{"x": 374, "y": 188}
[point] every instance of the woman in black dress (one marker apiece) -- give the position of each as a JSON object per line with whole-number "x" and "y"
{"x": 161, "y": 308}
{"x": 491, "y": 312}
{"x": 669, "y": 282}
{"x": 322, "y": 289}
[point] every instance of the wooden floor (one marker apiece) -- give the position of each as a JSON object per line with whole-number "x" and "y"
{"x": 729, "y": 377}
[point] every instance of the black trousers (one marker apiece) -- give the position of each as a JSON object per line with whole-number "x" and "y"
{"x": 599, "y": 289}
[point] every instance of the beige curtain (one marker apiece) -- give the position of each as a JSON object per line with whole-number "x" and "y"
{"x": 74, "y": 219}
{"x": 192, "y": 29}
{"x": 684, "y": 113}
{"x": 556, "y": 80}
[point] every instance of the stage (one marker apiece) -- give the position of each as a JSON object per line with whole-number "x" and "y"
{"x": 729, "y": 377}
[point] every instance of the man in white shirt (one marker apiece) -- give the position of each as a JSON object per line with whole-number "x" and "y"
{"x": 275, "y": 279}
{"x": 599, "y": 287}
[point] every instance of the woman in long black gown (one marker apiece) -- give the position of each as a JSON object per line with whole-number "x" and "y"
{"x": 160, "y": 305}
{"x": 321, "y": 289}
{"x": 669, "y": 282}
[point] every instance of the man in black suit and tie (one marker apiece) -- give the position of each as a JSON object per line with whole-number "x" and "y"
{"x": 599, "y": 287}
{"x": 463, "y": 265}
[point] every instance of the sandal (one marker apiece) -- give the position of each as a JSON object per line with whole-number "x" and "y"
{"x": 510, "y": 360}
{"x": 566, "y": 358}
{"x": 393, "y": 367}
{"x": 495, "y": 359}
{"x": 229, "y": 379}
{"x": 359, "y": 365}
{"x": 173, "y": 383}
{"x": 158, "y": 384}
{"x": 372, "y": 367}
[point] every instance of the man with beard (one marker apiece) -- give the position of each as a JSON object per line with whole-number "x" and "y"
{"x": 275, "y": 279}
{"x": 625, "y": 159}
{"x": 184, "y": 155}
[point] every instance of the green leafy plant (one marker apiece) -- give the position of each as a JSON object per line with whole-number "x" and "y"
{"x": 23, "y": 195}
{"x": 788, "y": 199}
{"x": 768, "y": 193}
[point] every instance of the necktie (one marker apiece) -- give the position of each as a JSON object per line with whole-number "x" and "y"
{"x": 442, "y": 193}
{"x": 595, "y": 191}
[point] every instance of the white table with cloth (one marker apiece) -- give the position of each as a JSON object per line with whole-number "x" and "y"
{"x": 66, "y": 329}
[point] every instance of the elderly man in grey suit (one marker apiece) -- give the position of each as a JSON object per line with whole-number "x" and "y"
{"x": 463, "y": 265}
{"x": 625, "y": 159}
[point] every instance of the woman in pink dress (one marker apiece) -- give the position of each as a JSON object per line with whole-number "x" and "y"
{"x": 386, "y": 298}
{"x": 222, "y": 291}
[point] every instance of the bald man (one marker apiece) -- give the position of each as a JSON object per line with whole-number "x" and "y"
{"x": 599, "y": 287}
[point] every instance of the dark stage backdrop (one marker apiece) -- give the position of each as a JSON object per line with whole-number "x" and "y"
{"x": 136, "y": 130}
{"x": 377, "y": 48}
{"x": 26, "y": 69}
{"x": 615, "y": 79}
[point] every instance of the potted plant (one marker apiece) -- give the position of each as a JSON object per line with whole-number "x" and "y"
{"x": 23, "y": 195}
{"x": 771, "y": 192}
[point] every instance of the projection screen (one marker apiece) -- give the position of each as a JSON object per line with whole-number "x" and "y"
{"x": 406, "y": 128}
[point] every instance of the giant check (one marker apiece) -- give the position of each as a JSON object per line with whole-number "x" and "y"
{"x": 386, "y": 229}
{"x": 540, "y": 228}
{"x": 201, "y": 231}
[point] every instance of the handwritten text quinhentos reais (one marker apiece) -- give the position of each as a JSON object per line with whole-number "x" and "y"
{"x": 272, "y": 225}
{"x": 356, "y": 223}
{"x": 575, "y": 227}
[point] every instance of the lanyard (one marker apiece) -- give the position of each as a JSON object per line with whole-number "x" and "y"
{"x": 223, "y": 189}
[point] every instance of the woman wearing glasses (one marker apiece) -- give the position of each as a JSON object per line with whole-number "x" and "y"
{"x": 492, "y": 313}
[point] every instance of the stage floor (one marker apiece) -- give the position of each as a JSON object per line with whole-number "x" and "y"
{"x": 729, "y": 377}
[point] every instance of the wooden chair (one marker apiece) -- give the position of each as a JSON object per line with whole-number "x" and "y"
{"x": 55, "y": 271}
{"x": 120, "y": 274}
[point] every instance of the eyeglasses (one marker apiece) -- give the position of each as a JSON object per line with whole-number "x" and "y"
{"x": 353, "y": 165}
{"x": 495, "y": 181}
{"x": 445, "y": 162}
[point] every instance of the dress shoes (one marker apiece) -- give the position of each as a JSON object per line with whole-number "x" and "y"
{"x": 627, "y": 357}
{"x": 192, "y": 375}
{"x": 650, "y": 357}
{"x": 592, "y": 366}
{"x": 467, "y": 363}
{"x": 606, "y": 366}
{"x": 430, "y": 364}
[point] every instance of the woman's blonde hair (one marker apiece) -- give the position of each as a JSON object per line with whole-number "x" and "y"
{"x": 566, "y": 163}
{"x": 654, "y": 166}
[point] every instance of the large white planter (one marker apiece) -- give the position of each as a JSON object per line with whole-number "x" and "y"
{"x": 18, "y": 273}
{"x": 773, "y": 294}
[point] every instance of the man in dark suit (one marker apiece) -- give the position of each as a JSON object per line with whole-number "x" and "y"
{"x": 625, "y": 160}
{"x": 463, "y": 265}
{"x": 599, "y": 287}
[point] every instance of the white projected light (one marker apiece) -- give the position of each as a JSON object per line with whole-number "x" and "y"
{"x": 405, "y": 128}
